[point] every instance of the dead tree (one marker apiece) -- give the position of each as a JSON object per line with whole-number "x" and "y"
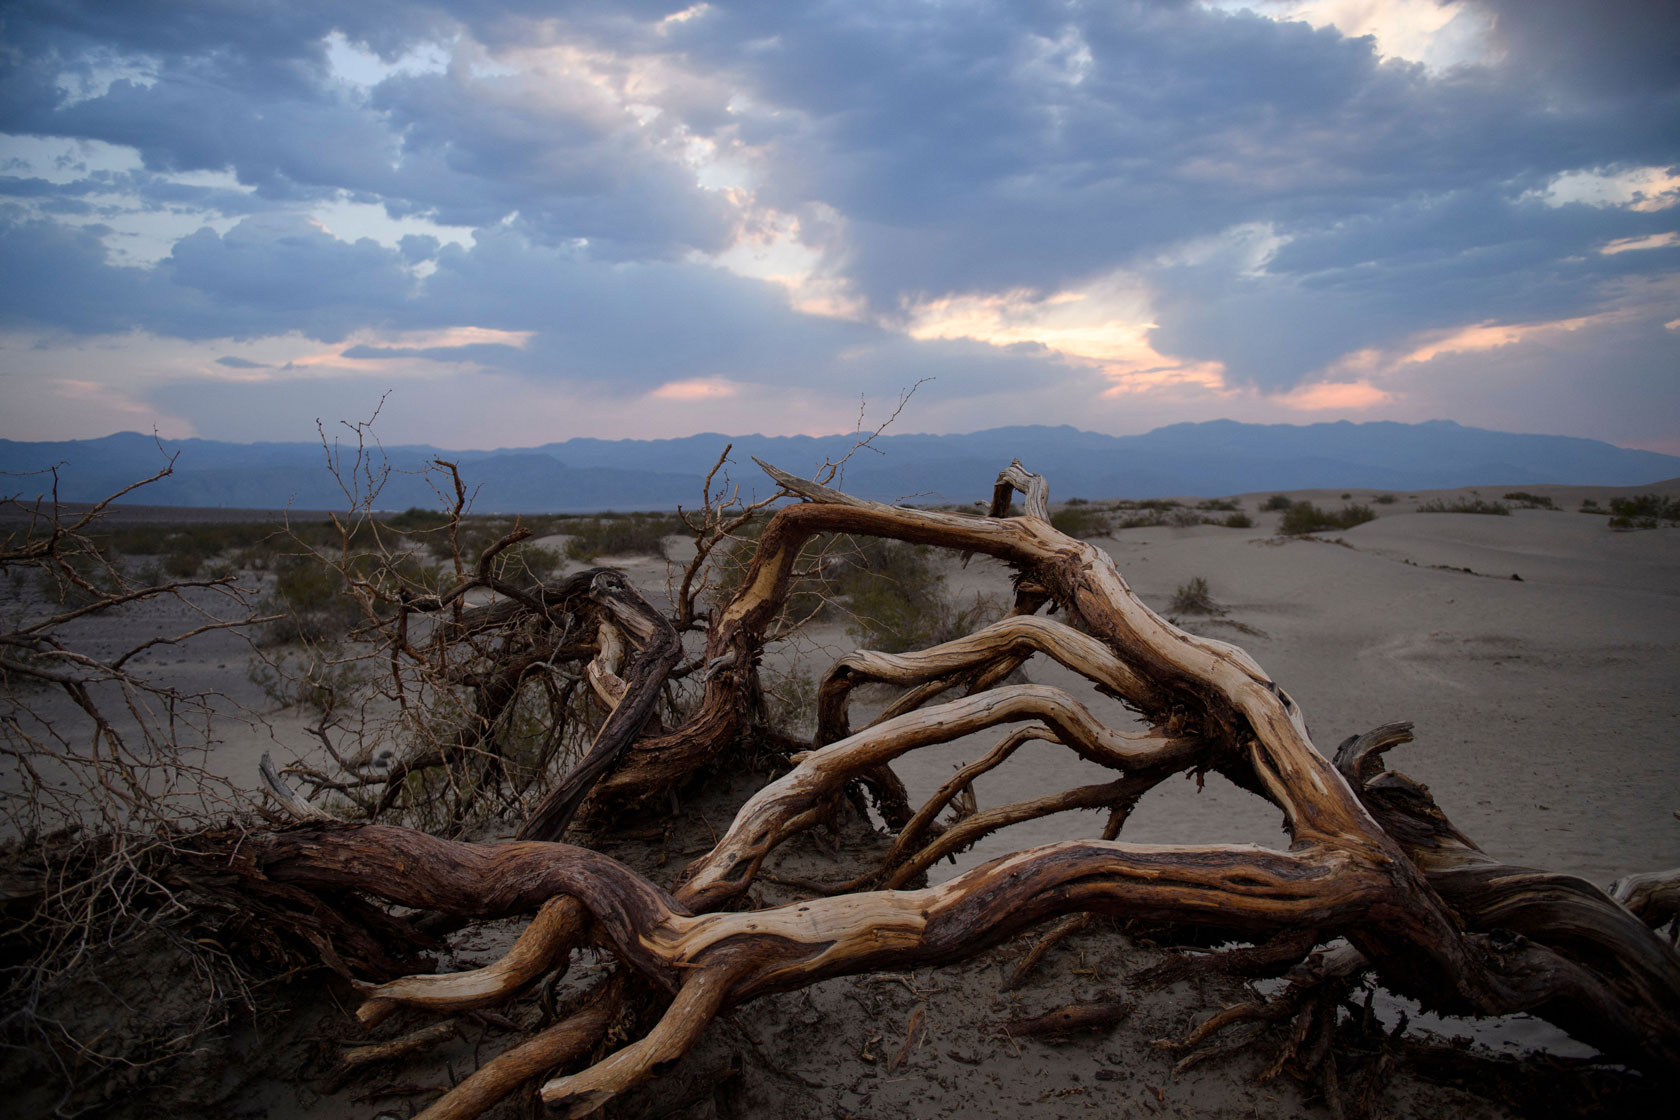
{"x": 1371, "y": 858}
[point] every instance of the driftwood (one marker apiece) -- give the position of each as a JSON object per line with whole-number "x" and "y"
{"x": 1371, "y": 858}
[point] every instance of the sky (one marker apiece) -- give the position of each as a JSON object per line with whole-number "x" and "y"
{"x": 501, "y": 223}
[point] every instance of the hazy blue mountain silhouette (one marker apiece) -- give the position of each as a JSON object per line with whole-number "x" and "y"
{"x": 1199, "y": 460}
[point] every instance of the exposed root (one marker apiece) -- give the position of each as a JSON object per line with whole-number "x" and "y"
{"x": 1063, "y": 929}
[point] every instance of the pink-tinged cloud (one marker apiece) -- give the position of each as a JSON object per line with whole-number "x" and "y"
{"x": 1326, "y": 396}
{"x": 1104, "y": 325}
{"x": 696, "y": 389}
{"x": 1634, "y": 244}
{"x": 1490, "y": 336}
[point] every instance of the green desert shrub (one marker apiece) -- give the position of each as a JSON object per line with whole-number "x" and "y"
{"x": 1643, "y": 511}
{"x": 1384, "y": 499}
{"x": 1276, "y": 502}
{"x": 889, "y": 589}
{"x": 310, "y": 598}
{"x": 618, "y": 534}
{"x": 526, "y": 562}
{"x": 1304, "y": 517}
{"x": 1080, "y": 521}
{"x": 1530, "y": 501}
{"x": 1465, "y": 505}
{"x": 1238, "y": 520}
{"x": 1193, "y": 598}
{"x": 414, "y": 519}
{"x": 1184, "y": 518}
{"x": 1221, "y": 504}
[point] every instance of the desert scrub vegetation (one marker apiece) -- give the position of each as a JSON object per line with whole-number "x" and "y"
{"x": 102, "y": 768}
{"x": 1276, "y": 502}
{"x": 1304, "y": 517}
{"x": 892, "y": 595}
{"x": 620, "y": 534}
{"x": 1193, "y": 598}
{"x": 1151, "y": 512}
{"x": 1079, "y": 519}
{"x": 1465, "y": 505}
{"x": 1526, "y": 500}
{"x": 1644, "y": 511}
{"x": 1086, "y": 521}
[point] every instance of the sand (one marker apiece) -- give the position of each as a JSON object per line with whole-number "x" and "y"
{"x": 1547, "y": 717}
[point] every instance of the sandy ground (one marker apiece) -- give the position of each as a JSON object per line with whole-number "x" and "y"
{"x": 1547, "y": 715}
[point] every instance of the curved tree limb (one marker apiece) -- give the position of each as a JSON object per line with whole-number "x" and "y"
{"x": 645, "y": 675}
{"x": 1372, "y": 859}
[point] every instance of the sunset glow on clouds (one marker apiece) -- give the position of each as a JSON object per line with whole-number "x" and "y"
{"x": 516, "y": 223}
{"x": 698, "y": 390}
{"x": 1105, "y": 325}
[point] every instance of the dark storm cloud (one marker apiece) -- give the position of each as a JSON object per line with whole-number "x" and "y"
{"x": 70, "y": 286}
{"x": 248, "y": 88}
{"x": 266, "y": 276}
{"x": 1607, "y": 47}
{"x": 630, "y": 327}
{"x": 1446, "y": 260}
{"x": 928, "y": 149}
{"x": 1039, "y": 144}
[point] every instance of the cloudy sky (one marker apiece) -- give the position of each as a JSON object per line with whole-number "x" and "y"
{"x": 519, "y": 221}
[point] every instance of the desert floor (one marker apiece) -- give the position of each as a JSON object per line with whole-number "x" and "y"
{"x": 1537, "y": 655}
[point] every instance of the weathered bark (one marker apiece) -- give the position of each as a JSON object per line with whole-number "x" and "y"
{"x": 1371, "y": 858}
{"x": 1608, "y": 980}
{"x": 660, "y": 651}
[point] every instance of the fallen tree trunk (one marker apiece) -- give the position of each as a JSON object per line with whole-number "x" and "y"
{"x": 1371, "y": 858}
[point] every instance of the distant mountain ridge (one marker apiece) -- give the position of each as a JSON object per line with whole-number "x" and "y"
{"x": 1204, "y": 459}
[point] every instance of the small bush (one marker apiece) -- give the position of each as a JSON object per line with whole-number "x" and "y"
{"x": 1142, "y": 519}
{"x": 1238, "y": 521}
{"x": 1465, "y": 505}
{"x": 526, "y": 562}
{"x": 1193, "y": 598}
{"x": 619, "y": 534}
{"x": 309, "y": 596}
{"x": 1530, "y": 501}
{"x": 182, "y": 565}
{"x": 1080, "y": 521}
{"x": 896, "y": 597}
{"x": 1221, "y": 504}
{"x": 1588, "y": 505}
{"x": 1184, "y": 518}
{"x": 1276, "y": 502}
{"x": 417, "y": 520}
{"x": 1384, "y": 499}
{"x": 1304, "y": 517}
{"x": 1643, "y": 511}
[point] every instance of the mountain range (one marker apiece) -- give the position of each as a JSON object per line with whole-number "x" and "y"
{"x": 1206, "y": 459}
